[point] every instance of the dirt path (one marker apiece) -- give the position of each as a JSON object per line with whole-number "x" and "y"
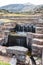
{"x": 4, "y": 58}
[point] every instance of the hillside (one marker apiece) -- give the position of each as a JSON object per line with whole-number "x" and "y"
{"x": 18, "y": 7}
{"x": 27, "y": 8}
{"x": 39, "y": 9}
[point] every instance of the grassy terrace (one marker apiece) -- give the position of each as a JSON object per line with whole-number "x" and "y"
{"x": 13, "y": 14}
{"x": 16, "y": 15}
{"x": 6, "y": 20}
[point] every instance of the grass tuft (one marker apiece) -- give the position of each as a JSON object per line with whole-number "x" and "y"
{"x": 4, "y": 63}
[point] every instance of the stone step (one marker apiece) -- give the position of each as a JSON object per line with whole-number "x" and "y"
{"x": 36, "y": 50}
{"x": 37, "y": 41}
{"x": 36, "y": 53}
{"x": 37, "y": 35}
{"x": 39, "y": 30}
{"x": 39, "y": 24}
{"x": 40, "y": 20}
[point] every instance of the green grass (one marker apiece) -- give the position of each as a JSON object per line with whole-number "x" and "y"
{"x": 4, "y": 63}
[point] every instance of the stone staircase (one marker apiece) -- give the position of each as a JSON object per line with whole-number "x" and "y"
{"x": 37, "y": 39}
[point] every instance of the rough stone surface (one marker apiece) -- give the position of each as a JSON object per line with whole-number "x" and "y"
{"x": 39, "y": 30}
